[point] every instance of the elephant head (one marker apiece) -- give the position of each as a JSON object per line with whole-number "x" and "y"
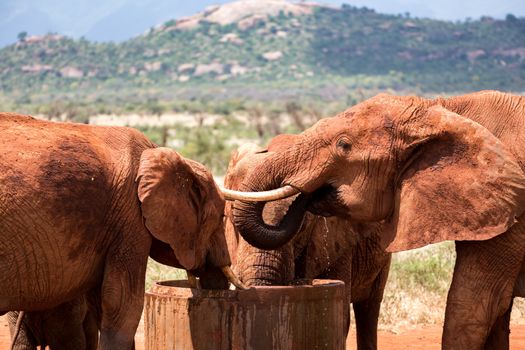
{"x": 308, "y": 255}
{"x": 429, "y": 173}
{"x": 183, "y": 210}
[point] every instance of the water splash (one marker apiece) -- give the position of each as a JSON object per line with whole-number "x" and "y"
{"x": 325, "y": 235}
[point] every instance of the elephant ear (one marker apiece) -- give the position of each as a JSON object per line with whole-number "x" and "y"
{"x": 459, "y": 183}
{"x": 170, "y": 197}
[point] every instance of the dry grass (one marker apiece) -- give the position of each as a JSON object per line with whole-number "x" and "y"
{"x": 159, "y": 272}
{"x": 417, "y": 287}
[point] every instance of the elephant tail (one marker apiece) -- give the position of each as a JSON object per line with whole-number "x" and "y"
{"x": 17, "y": 329}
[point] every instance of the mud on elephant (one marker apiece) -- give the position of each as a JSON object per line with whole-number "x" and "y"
{"x": 82, "y": 207}
{"x": 431, "y": 170}
{"x": 333, "y": 248}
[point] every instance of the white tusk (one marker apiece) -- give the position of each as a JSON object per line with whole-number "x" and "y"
{"x": 264, "y": 196}
{"x": 192, "y": 280}
{"x": 227, "y": 271}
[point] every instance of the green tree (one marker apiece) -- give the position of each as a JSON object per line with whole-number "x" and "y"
{"x": 22, "y": 36}
{"x": 510, "y": 18}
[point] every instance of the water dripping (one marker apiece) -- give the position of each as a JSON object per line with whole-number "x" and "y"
{"x": 326, "y": 231}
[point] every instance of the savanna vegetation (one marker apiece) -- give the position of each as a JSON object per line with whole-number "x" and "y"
{"x": 332, "y": 54}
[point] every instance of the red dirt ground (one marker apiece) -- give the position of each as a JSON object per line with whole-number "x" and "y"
{"x": 428, "y": 338}
{"x": 421, "y": 338}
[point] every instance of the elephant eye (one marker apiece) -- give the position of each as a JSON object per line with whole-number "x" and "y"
{"x": 344, "y": 145}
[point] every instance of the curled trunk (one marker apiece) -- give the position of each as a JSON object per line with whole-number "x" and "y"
{"x": 281, "y": 169}
{"x": 249, "y": 221}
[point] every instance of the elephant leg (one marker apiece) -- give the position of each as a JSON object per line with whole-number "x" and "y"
{"x": 346, "y": 316}
{"x": 90, "y": 326}
{"x": 498, "y": 338}
{"x": 122, "y": 296}
{"x": 484, "y": 277}
{"x": 519, "y": 288}
{"x": 63, "y": 326}
{"x": 25, "y": 339}
{"x": 367, "y": 313}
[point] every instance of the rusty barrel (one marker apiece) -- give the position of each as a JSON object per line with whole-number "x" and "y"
{"x": 306, "y": 315}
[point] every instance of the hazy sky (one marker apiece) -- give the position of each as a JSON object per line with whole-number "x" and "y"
{"x": 447, "y": 9}
{"x": 122, "y": 19}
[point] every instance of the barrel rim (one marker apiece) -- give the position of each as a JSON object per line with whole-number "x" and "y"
{"x": 318, "y": 289}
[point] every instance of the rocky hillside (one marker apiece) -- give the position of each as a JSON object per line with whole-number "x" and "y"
{"x": 273, "y": 49}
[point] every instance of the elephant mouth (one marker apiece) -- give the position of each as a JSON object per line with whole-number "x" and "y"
{"x": 326, "y": 201}
{"x": 212, "y": 277}
{"x": 249, "y": 218}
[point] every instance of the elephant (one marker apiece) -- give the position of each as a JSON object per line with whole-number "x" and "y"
{"x": 71, "y": 325}
{"x": 81, "y": 209}
{"x": 330, "y": 248}
{"x": 430, "y": 170}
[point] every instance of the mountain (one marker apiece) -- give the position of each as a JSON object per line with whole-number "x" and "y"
{"x": 97, "y": 20}
{"x": 119, "y": 20}
{"x": 272, "y": 50}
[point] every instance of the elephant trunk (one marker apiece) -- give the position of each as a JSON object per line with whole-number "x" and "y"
{"x": 280, "y": 170}
{"x": 247, "y": 217}
{"x": 212, "y": 277}
{"x": 267, "y": 268}
{"x": 217, "y": 272}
